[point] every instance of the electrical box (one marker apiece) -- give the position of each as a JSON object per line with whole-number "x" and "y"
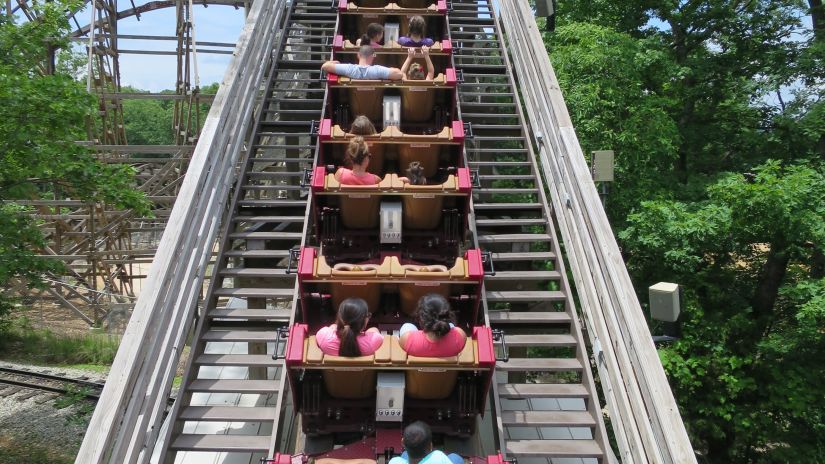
{"x": 664, "y": 301}
{"x": 391, "y": 32}
{"x": 545, "y": 8}
{"x": 392, "y": 110}
{"x": 389, "y": 398}
{"x": 603, "y": 161}
{"x": 391, "y": 221}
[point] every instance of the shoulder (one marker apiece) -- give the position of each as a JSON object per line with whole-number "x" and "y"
{"x": 326, "y": 332}
{"x": 398, "y": 460}
{"x": 428, "y": 42}
{"x": 437, "y": 457}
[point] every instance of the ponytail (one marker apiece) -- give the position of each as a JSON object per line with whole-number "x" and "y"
{"x": 373, "y": 31}
{"x": 351, "y": 321}
{"x": 357, "y": 151}
{"x": 434, "y": 314}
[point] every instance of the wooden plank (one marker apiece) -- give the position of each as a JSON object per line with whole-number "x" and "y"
{"x": 233, "y": 386}
{"x": 539, "y": 317}
{"x": 554, "y": 448}
{"x": 228, "y": 414}
{"x": 524, "y": 296}
{"x": 542, "y": 390}
{"x": 547, "y": 419}
{"x": 539, "y": 340}
{"x": 239, "y": 336}
{"x": 225, "y": 443}
{"x": 539, "y": 365}
{"x": 261, "y": 360}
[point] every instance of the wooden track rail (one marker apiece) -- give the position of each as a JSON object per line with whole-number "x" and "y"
{"x": 642, "y": 408}
{"x": 131, "y": 407}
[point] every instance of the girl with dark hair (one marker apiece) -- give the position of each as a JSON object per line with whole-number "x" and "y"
{"x": 418, "y": 32}
{"x": 373, "y": 36}
{"x": 348, "y": 337}
{"x": 358, "y": 155}
{"x": 438, "y": 336}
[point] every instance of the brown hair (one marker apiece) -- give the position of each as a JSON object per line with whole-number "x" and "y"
{"x": 362, "y": 126}
{"x": 416, "y": 72}
{"x": 373, "y": 30}
{"x": 357, "y": 151}
{"x": 351, "y": 321}
{"x": 434, "y": 314}
{"x": 417, "y": 26}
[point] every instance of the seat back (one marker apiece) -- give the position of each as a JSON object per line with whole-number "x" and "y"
{"x": 371, "y": 3}
{"x": 425, "y": 153}
{"x": 414, "y": 3}
{"x": 369, "y": 292}
{"x": 360, "y": 211}
{"x": 422, "y": 211}
{"x": 350, "y": 384}
{"x": 431, "y": 385}
{"x": 368, "y": 101}
{"x": 412, "y": 292}
{"x": 417, "y": 104}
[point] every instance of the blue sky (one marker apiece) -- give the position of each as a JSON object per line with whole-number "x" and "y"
{"x": 155, "y": 73}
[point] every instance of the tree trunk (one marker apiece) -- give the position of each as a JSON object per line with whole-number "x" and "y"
{"x": 767, "y": 287}
{"x": 817, "y": 18}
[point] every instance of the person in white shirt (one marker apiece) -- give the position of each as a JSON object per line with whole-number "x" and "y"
{"x": 418, "y": 448}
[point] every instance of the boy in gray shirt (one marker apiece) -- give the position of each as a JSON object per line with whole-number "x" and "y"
{"x": 364, "y": 69}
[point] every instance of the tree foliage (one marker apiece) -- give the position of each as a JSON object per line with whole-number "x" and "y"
{"x": 715, "y": 110}
{"x": 42, "y": 116}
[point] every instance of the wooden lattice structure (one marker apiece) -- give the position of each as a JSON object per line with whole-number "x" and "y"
{"x": 105, "y": 250}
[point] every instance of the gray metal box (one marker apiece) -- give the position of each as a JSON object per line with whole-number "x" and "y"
{"x": 603, "y": 165}
{"x": 391, "y": 220}
{"x": 392, "y": 110}
{"x": 389, "y": 400}
{"x": 664, "y": 301}
{"x": 391, "y": 32}
{"x": 544, "y": 8}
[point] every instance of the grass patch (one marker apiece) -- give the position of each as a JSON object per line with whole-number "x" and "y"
{"x": 15, "y": 451}
{"x": 23, "y": 343}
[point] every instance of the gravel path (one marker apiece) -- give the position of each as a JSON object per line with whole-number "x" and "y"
{"x": 26, "y": 417}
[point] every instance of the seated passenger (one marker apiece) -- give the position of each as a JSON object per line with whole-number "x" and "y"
{"x": 347, "y": 336}
{"x": 364, "y": 69}
{"x": 358, "y": 154}
{"x": 418, "y": 448}
{"x": 417, "y": 37}
{"x": 362, "y": 125}
{"x": 373, "y": 36}
{"x": 414, "y": 71}
{"x": 438, "y": 337}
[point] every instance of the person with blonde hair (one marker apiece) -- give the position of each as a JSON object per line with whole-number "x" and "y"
{"x": 358, "y": 156}
{"x": 414, "y": 71}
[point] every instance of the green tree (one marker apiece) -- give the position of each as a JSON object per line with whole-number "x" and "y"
{"x": 748, "y": 369}
{"x": 42, "y": 116}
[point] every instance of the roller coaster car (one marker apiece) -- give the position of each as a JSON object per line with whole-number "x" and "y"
{"x": 436, "y": 153}
{"x": 339, "y": 394}
{"x": 427, "y": 103}
{"x": 407, "y": 7}
{"x": 390, "y": 286}
{"x": 385, "y": 444}
{"x": 433, "y": 219}
{"x": 396, "y": 23}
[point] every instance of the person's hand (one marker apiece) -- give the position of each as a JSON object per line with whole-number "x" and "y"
{"x": 410, "y": 52}
{"x": 425, "y": 50}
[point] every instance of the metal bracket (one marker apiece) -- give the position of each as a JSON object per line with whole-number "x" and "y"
{"x": 306, "y": 179}
{"x": 468, "y": 130}
{"x": 459, "y": 76}
{"x": 450, "y": 5}
{"x": 487, "y": 263}
{"x": 498, "y": 336}
{"x": 314, "y": 127}
{"x": 475, "y": 178}
{"x": 283, "y": 335}
{"x": 294, "y": 256}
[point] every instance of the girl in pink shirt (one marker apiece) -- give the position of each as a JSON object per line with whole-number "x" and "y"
{"x": 347, "y": 336}
{"x": 438, "y": 337}
{"x": 359, "y": 155}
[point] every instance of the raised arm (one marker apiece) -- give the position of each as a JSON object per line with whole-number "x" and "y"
{"x": 430, "y": 68}
{"x": 406, "y": 66}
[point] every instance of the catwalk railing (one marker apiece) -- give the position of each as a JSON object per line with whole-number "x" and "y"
{"x": 128, "y": 416}
{"x": 643, "y": 412}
